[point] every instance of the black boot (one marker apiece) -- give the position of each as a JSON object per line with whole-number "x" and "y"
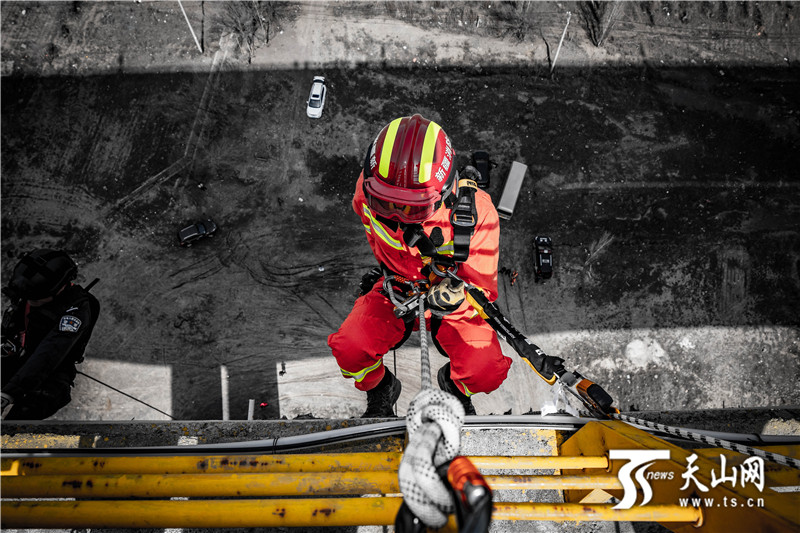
{"x": 448, "y": 385}
{"x": 381, "y": 399}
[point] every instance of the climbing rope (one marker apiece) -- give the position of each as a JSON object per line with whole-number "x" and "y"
{"x": 425, "y": 359}
{"x": 720, "y": 443}
{"x": 434, "y": 421}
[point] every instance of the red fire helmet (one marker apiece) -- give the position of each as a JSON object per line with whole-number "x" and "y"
{"x": 408, "y": 170}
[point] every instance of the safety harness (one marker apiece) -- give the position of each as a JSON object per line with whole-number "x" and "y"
{"x": 463, "y": 218}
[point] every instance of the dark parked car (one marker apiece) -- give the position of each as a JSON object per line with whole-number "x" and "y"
{"x": 543, "y": 258}
{"x": 198, "y": 231}
{"x": 480, "y": 160}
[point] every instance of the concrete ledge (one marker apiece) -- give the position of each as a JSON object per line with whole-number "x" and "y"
{"x": 771, "y": 421}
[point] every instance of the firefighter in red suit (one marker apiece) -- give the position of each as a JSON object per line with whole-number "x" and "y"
{"x": 409, "y": 181}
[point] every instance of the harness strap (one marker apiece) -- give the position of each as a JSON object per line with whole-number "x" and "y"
{"x": 463, "y": 218}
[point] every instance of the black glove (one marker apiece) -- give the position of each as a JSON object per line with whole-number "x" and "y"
{"x": 8, "y": 347}
{"x": 470, "y": 173}
{"x": 369, "y": 280}
{"x": 6, "y": 403}
{"x": 544, "y": 365}
{"x": 445, "y": 297}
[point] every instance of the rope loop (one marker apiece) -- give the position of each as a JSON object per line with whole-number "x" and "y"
{"x": 434, "y": 421}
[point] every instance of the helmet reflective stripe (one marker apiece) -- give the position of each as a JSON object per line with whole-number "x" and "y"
{"x": 388, "y": 146}
{"x": 381, "y": 231}
{"x": 361, "y": 374}
{"x": 428, "y": 147}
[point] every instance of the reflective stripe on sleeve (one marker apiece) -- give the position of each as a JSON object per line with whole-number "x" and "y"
{"x": 380, "y": 231}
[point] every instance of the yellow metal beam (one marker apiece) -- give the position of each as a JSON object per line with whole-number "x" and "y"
{"x": 534, "y": 462}
{"x": 200, "y": 485}
{"x": 577, "y": 512}
{"x": 257, "y": 485}
{"x": 333, "y": 462}
{"x": 725, "y": 507}
{"x": 199, "y": 513}
{"x": 555, "y": 482}
{"x": 291, "y": 513}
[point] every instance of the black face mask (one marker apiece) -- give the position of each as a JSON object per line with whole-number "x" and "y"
{"x": 414, "y": 235}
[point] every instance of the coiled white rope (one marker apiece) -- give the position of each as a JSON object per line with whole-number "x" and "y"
{"x": 434, "y": 421}
{"x": 720, "y": 443}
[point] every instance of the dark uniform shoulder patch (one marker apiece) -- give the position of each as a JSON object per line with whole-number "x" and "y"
{"x": 70, "y": 324}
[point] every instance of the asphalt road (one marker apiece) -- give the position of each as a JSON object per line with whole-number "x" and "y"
{"x": 672, "y": 198}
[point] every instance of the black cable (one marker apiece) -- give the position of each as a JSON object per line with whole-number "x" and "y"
{"x": 125, "y": 394}
{"x": 297, "y": 443}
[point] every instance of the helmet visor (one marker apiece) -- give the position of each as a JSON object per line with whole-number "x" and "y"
{"x": 409, "y": 214}
{"x": 406, "y": 205}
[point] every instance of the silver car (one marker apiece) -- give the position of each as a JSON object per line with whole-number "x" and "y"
{"x": 316, "y": 99}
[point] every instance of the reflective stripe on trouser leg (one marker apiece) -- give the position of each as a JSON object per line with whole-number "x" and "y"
{"x": 368, "y": 332}
{"x": 361, "y": 374}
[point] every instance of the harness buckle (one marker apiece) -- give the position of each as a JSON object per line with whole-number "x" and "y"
{"x": 464, "y": 220}
{"x": 464, "y": 214}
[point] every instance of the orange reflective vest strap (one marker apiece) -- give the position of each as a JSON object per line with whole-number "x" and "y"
{"x": 361, "y": 374}
{"x": 379, "y": 230}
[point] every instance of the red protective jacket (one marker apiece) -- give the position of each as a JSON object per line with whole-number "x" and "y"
{"x": 480, "y": 268}
{"x": 371, "y": 329}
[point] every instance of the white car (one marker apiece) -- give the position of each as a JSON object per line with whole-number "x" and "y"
{"x": 316, "y": 99}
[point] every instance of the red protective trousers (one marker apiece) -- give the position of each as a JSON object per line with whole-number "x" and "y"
{"x": 477, "y": 363}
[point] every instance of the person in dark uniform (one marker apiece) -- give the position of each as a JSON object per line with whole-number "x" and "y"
{"x": 44, "y": 334}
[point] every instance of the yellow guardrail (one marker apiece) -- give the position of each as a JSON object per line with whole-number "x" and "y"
{"x": 368, "y": 480}
{"x": 257, "y": 485}
{"x": 292, "y": 513}
{"x": 333, "y": 462}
